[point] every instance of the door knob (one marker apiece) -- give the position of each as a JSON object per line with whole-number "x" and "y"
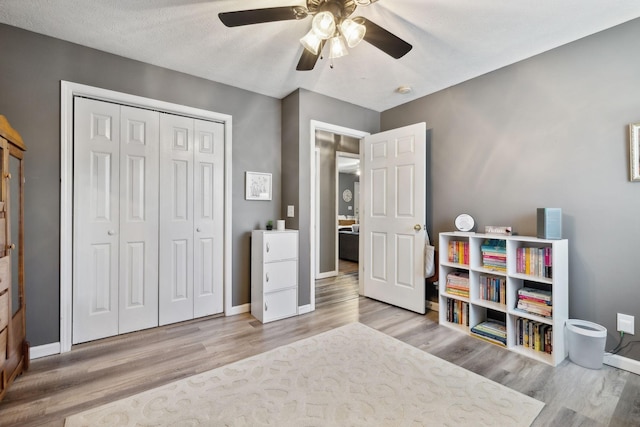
{"x": 198, "y": 229}
{"x": 111, "y": 232}
{"x": 417, "y": 227}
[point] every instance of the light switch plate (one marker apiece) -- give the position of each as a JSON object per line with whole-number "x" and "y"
{"x": 290, "y": 211}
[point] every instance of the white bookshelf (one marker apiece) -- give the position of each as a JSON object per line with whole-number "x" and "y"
{"x": 480, "y": 310}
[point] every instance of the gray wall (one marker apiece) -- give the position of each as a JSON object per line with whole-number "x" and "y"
{"x": 550, "y": 131}
{"x": 346, "y": 181}
{"x": 30, "y": 78}
{"x": 296, "y": 128}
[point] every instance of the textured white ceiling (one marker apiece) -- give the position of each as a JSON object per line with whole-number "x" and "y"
{"x": 453, "y": 40}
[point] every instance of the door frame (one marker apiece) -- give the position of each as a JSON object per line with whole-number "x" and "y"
{"x": 67, "y": 92}
{"x": 340, "y": 130}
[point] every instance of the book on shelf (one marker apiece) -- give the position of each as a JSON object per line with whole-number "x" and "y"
{"x": 458, "y": 252}
{"x": 535, "y": 261}
{"x": 491, "y": 330}
{"x": 537, "y": 336}
{"x": 458, "y": 283}
{"x": 493, "y": 288}
{"x": 494, "y": 254}
{"x": 457, "y": 312}
{"x": 535, "y": 301}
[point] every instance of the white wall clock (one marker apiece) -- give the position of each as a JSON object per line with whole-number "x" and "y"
{"x": 347, "y": 195}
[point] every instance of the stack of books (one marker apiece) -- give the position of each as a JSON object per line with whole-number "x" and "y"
{"x": 534, "y": 261}
{"x": 493, "y": 288}
{"x": 491, "y": 330}
{"x": 459, "y": 252}
{"x": 534, "y": 335}
{"x": 457, "y": 312}
{"x": 458, "y": 284}
{"x": 535, "y": 301}
{"x": 494, "y": 254}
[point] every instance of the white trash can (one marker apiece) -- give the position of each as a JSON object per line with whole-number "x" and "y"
{"x": 586, "y": 341}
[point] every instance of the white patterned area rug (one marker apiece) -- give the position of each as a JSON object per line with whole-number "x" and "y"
{"x": 349, "y": 376}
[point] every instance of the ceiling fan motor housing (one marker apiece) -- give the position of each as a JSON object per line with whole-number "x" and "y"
{"x": 339, "y": 8}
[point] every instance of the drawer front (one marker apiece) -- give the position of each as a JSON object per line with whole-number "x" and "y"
{"x": 4, "y": 273}
{"x": 279, "y": 275}
{"x": 280, "y": 245}
{"x": 4, "y": 310}
{"x": 278, "y": 305}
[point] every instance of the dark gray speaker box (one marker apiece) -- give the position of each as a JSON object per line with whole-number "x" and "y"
{"x": 550, "y": 223}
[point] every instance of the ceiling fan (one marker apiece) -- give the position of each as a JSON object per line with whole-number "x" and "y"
{"x": 332, "y": 23}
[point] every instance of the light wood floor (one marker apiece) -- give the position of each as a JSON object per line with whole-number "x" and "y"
{"x": 340, "y": 288}
{"x": 96, "y": 373}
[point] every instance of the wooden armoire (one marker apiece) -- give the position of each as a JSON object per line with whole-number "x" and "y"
{"x": 14, "y": 349}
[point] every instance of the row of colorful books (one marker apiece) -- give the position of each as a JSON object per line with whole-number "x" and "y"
{"x": 535, "y": 301}
{"x": 534, "y": 261}
{"x": 534, "y": 335}
{"x": 458, "y": 252}
{"x": 458, "y": 283}
{"x": 493, "y": 288}
{"x": 457, "y": 312}
{"x": 493, "y": 331}
{"x": 494, "y": 254}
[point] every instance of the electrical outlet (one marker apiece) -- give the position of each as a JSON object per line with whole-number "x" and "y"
{"x": 625, "y": 323}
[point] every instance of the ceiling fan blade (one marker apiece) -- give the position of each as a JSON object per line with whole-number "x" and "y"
{"x": 384, "y": 40}
{"x": 308, "y": 60}
{"x": 259, "y": 16}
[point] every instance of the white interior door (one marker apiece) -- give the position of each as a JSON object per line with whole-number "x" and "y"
{"x": 208, "y": 218}
{"x": 394, "y": 216}
{"x": 115, "y": 220}
{"x": 96, "y": 219}
{"x": 138, "y": 236}
{"x": 176, "y": 219}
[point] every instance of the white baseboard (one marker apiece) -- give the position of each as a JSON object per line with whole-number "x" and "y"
{"x": 304, "y": 309}
{"x": 621, "y": 362}
{"x": 44, "y": 350}
{"x": 238, "y": 309}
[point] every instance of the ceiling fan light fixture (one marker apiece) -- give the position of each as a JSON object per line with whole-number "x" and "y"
{"x": 311, "y": 42}
{"x": 337, "y": 47}
{"x": 352, "y": 31}
{"x": 324, "y": 25}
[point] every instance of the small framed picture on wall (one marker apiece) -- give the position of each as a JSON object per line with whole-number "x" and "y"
{"x": 634, "y": 151}
{"x": 257, "y": 186}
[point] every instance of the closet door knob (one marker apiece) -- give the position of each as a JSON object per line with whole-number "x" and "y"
{"x": 265, "y": 307}
{"x": 267, "y": 277}
{"x": 111, "y": 232}
{"x": 417, "y": 227}
{"x": 198, "y": 229}
{"x": 267, "y": 247}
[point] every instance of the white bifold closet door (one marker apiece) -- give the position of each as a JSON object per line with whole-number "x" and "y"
{"x": 191, "y": 218}
{"x": 148, "y": 219}
{"x": 115, "y": 257}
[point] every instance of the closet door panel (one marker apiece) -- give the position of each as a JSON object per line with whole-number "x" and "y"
{"x": 176, "y": 219}
{"x": 209, "y": 220}
{"x": 96, "y": 219}
{"x": 139, "y": 156}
